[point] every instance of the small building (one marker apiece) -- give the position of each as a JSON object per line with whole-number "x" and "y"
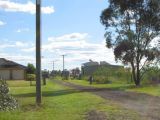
{"x": 10, "y": 70}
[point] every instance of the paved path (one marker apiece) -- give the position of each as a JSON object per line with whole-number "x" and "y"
{"x": 146, "y": 105}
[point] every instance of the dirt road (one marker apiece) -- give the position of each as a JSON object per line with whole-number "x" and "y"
{"x": 146, "y": 105}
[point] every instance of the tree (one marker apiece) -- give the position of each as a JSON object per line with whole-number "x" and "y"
{"x": 131, "y": 26}
{"x": 75, "y": 72}
{"x": 45, "y": 74}
{"x": 30, "y": 69}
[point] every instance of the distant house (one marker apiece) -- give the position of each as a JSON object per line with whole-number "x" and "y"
{"x": 90, "y": 67}
{"x": 10, "y": 70}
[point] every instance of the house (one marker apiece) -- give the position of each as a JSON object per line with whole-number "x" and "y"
{"x": 10, "y": 70}
{"x": 90, "y": 67}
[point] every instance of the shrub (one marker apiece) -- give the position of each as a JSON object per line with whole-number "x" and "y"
{"x": 108, "y": 75}
{"x": 31, "y": 77}
{"x": 101, "y": 79}
{"x": 7, "y": 102}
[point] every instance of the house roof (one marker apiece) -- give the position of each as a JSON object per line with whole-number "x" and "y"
{"x": 10, "y": 64}
{"x": 90, "y": 63}
{"x": 102, "y": 63}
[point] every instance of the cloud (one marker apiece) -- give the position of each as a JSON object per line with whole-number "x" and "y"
{"x": 22, "y": 30}
{"x": 79, "y": 48}
{"x": 2, "y": 46}
{"x": 20, "y": 44}
{"x": 29, "y": 7}
{"x": 16, "y": 44}
{"x": 28, "y": 50}
{"x": 2, "y": 23}
{"x": 20, "y": 58}
{"x": 69, "y": 37}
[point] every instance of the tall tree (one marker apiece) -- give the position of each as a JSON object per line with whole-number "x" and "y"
{"x": 131, "y": 26}
{"x": 30, "y": 69}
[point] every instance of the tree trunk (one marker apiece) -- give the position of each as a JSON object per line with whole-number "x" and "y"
{"x": 138, "y": 71}
{"x": 138, "y": 76}
{"x": 44, "y": 81}
{"x": 135, "y": 74}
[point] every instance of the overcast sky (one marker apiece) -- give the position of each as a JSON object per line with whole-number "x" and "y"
{"x": 70, "y": 27}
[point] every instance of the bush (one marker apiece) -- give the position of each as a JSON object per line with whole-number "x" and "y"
{"x": 7, "y": 102}
{"x": 101, "y": 79}
{"x": 108, "y": 75}
{"x": 31, "y": 77}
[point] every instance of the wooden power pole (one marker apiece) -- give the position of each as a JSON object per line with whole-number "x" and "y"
{"x": 38, "y": 52}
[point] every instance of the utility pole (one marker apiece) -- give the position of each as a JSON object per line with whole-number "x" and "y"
{"x": 63, "y": 66}
{"x": 53, "y": 66}
{"x": 38, "y": 52}
{"x": 63, "y": 61}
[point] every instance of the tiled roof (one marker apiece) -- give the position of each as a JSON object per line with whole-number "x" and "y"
{"x": 10, "y": 64}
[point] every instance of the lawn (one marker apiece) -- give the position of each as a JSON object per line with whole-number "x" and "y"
{"x": 148, "y": 89}
{"x": 61, "y": 103}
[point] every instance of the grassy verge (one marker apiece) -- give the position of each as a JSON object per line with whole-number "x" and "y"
{"x": 117, "y": 85}
{"x": 61, "y": 103}
{"x": 148, "y": 89}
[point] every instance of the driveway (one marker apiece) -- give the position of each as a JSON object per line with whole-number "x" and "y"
{"x": 147, "y": 106}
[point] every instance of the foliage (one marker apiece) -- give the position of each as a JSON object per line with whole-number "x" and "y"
{"x": 31, "y": 77}
{"x": 75, "y": 73}
{"x": 7, "y": 102}
{"x": 108, "y": 75}
{"x": 45, "y": 74}
{"x": 152, "y": 74}
{"x": 65, "y": 75}
{"x": 101, "y": 75}
{"x": 131, "y": 26}
{"x": 30, "y": 69}
{"x": 55, "y": 73}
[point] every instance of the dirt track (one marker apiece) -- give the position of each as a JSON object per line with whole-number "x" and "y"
{"x": 147, "y": 106}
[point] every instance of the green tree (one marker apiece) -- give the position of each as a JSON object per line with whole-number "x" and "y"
{"x": 131, "y": 26}
{"x": 30, "y": 69}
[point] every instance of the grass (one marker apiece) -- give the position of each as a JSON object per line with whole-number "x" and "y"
{"x": 61, "y": 103}
{"x": 116, "y": 85}
{"x": 144, "y": 88}
{"x": 148, "y": 89}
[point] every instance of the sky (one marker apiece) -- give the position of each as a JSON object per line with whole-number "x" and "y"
{"x": 69, "y": 27}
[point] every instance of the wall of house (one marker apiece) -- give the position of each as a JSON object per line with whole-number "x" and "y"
{"x": 5, "y": 74}
{"x": 89, "y": 70}
{"x": 12, "y": 74}
{"x": 17, "y": 74}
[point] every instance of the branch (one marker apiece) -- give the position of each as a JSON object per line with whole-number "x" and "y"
{"x": 143, "y": 64}
{"x": 144, "y": 70}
